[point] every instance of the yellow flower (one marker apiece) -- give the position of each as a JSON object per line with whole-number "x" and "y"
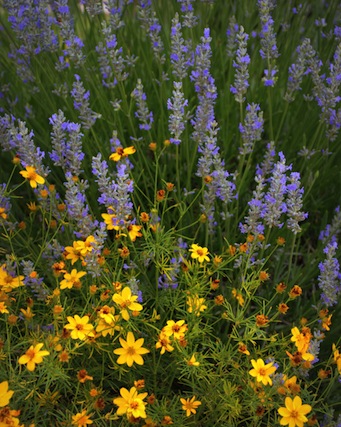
{"x": 294, "y": 412}
{"x": 243, "y": 349}
{"x": 85, "y": 247}
{"x": 238, "y": 296}
{"x": 193, "y": 361}
{"x": 31, "y": 174}
{"x": 9, "y": 282}
{"x": 3, "y": 213}
{"x": 131, "y": 350}
{"x": 190, "y": 405}
{"x": 134, "y": 231}
{"x": 131, "y": 403}
{"x": 261, "y": 371}
{"x": 110, "y": 219}
{"x": 177, "y": 329}
{"x": 164, "y": 343}
{"x": 121, "y": 153}
{"x": 8, "y": 418}
{"x": 337, "y": 358}
{"x": 3, "y": 308}
{"x": 125, "y": 300}
{"x": 199, "y": 253}
{"x": 79, "y": 326}
{"x": 81, "y": 419}
{"x": 301, "y": 339}
{"x": 5, "y": 394}
{"x": 196, "y": 305}
{"x": 33, "y": 356}
{"x": 72, "y": 279}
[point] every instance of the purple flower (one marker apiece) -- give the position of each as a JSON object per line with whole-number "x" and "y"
{"x": 252, "y": 128}
{"x": 329, "y": 279}
{"x": 294, "y": 203}
{"x": 143, "y": 114}
{"x": 81, "y": 103}
{"x": 241, "y": 65}
{"x": 177, "y": 119}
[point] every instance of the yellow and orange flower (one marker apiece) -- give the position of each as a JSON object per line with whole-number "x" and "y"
{"x": 122, "y": 153}
{"x": 190, "y": 405}
{"x": 131, "y": 403}
{"x": 80, "y": 327}
{"x": 126, "y": 301}
{"x": 33, "y": 356}
{"x": 199, "y": 253}
{"x": 131, "y": 351}
{"x": 262, "y": 371}
{"x": 31, "y": 175}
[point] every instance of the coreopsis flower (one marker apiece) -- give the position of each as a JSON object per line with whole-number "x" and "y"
{"x": 243, "y": 349}
{"x": 131, "y": 351}
{"x": 283, "y": 308}
{"x": 294, "y": 413}
{"x": 193, "y": 361}
{"x": 86, "y": 246}
{"x": 164, "y": 343}
{"x": 72, "y": 279}
{"x": 125, "y": 300}
{"x": 81, "y": 419}
{"x": 337, "y": 358}
{"x": 33, "y": 356}
{"x": 80, "y": 327}
{"x": 3, "y": 213}
{"x": 31, "y": 175}
{"x": 9, "y": 282}
{"x": 190, "y": 405}
{"x": 238, "y": 296}
{"x": 196, "y": 305}
{"x": 177, "y": 329}
{"x": 131, "y": 403}
{"x": 291, "y": 385}
{"x": 122, "y": 153}
{"x": 8, "y": 417}
{"x": 199, "y": 253}
{"x": 262, "y": 371}
{"x": 295, "y": 291}
{"x": 261, "y": 320}
{"x": 166, "y": 420}
{"x": 3, "y": 308}
{"x": 301, "y": 339}
{"x": 110, "y": 219}
{"x": 83, "y": 376}
{"x": 5, "y": 394}
{"x": 134, "y": 231}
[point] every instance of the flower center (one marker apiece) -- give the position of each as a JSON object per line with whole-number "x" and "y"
{"x": 131, "y": 351}
{"x": 134, "y": 404}
{"x": 200, "y": 252}
{"x": 30, "y": 353}
{"x": 79, "y": 327}
{"x": 294, "y": 414}
{"x": 32, "y": 175}
{"x": 262, "y": 372}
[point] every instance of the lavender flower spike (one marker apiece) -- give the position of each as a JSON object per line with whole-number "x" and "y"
{"x": 241, "y": 65}
{"x": 143, "y": 114}
{"x": 252, "y": 129}
{"x": 329, "y": 279}
{"x": 294, "y": 203}
{"x": 177, "y": 119}
{"x": 274, "y": 198}
{"x": 81, "y": 103}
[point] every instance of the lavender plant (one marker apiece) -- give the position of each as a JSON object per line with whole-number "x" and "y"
{"x": 167, "y": 256}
